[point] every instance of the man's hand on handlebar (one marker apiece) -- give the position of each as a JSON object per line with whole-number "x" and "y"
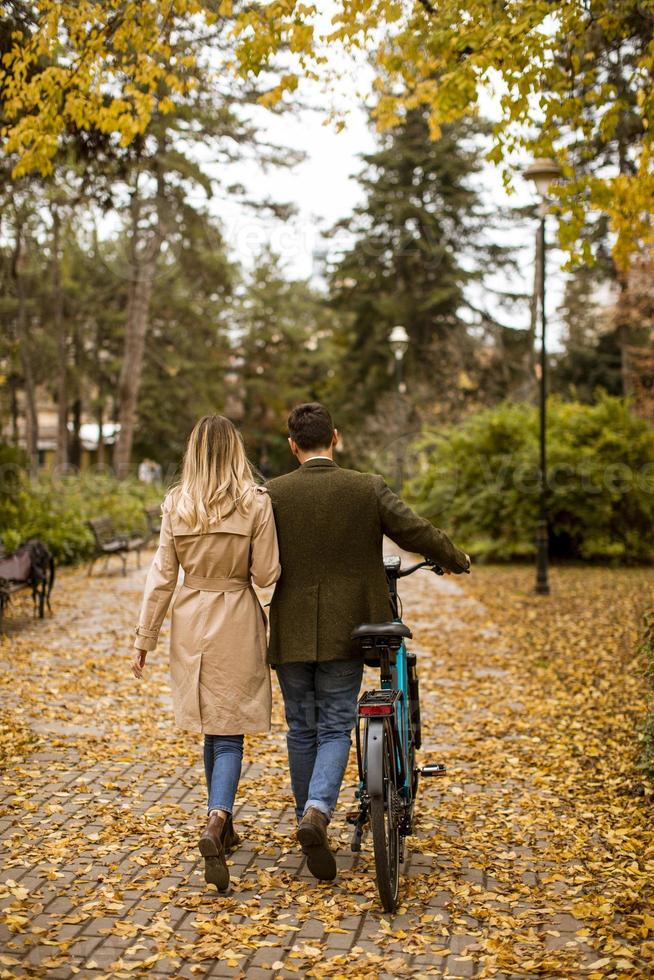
{"x": 446, "y": 571}
{"x": 426, "y": 563}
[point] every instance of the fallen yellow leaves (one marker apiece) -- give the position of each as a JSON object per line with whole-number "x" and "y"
{"x": 531, "y": 856}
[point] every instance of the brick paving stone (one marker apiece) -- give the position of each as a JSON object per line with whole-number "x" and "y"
{"x": 117, "y": 943}
{"x": 311, "y": 929}
{"x": 166, "y": 967}
{"x": 429, "y": 959}
{"x": 457, "y": 967}
{"x": 366, "y": 946}
{"x": 440, "y": 900}
{"x": 563, "y": 922}
{"x": 56, "y": 904}
{"x": 266, "y": 956}
{"x": 369, "y": 927}
{"x": 68, "y": 930}
{"x": 292, "y": 860}
{"x": 84, "y": 946}
{"x": 339, "y": 940}
{"x": 354, "y": 921}
{"x": 219, "y": 969}
{"x": 459, "y": 943}
{"x": 94, "y": 927}
{"x": 106, "y": 954}
{"x": 560, "y": 941}
{"x": 37, "y": 954}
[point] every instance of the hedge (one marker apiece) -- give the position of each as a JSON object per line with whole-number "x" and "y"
{"x": 479, "y": 481}
{"x": 57, "y": 509}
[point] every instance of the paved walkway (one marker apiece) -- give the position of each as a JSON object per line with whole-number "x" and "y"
{"x": 102, "y": 802}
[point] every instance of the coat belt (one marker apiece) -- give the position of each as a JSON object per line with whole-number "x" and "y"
{"x": 208, "y": 584}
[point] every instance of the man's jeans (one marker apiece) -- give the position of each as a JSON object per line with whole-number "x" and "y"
{"x": 321, "y": 708}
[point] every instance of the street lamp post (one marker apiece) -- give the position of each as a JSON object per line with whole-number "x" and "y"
{"x": 399, "y": 342}
{"x": 542, "y": 171}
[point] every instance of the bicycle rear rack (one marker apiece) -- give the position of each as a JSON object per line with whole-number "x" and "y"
{"x": 378, "y": 703}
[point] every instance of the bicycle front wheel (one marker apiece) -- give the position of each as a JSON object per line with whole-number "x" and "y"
{"x": 384, "y": 810}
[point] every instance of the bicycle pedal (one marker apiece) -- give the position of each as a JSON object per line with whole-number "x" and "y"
{"x": 433, "y": 769}
{"x": 352, "y": 816}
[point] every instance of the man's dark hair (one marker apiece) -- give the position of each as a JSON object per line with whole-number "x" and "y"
{"x": 311, "y": 426}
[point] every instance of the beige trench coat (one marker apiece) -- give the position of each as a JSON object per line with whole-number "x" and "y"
{"x": 219, "y": 676}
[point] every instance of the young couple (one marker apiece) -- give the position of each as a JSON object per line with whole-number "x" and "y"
{"x": 317, "y": 532}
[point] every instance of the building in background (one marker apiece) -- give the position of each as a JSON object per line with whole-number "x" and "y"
{"x": 93, "y": 451}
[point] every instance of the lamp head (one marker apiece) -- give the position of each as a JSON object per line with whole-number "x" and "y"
{"x": 543, "y": 171}
{"x": 399, "y": 341}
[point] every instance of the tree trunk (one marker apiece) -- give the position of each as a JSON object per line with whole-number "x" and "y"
{"x": 31, "y": 413}
{"x": 61, "y": 459}
{"x": 76, "y": 441}
{"x": 14, "y": 412}
{"x": 100, "y": 461}
{"x": 144, "y": 262}
{"x": 623, "y": 331}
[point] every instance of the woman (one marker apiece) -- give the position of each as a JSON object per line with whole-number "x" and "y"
{"x": 218, "y": 525}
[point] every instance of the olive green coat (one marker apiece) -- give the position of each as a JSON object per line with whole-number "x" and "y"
{"x": 330, "y": 526}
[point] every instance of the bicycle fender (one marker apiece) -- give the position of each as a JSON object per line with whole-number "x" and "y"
{"x": 375, "y": 759}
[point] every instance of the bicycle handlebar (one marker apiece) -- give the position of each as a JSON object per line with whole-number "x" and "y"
{"x": 421, "y": 564}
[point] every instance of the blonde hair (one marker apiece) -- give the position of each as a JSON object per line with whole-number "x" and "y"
{"x": 216, "y": 474}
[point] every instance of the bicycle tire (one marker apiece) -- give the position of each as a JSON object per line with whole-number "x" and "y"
{"x": 384, "y": 818}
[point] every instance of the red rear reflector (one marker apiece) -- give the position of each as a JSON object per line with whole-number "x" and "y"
{"x": 376, "y": 709}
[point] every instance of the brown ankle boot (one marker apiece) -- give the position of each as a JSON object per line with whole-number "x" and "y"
{"x": 312, "y": 835}
{"x": 212, "y": 850}
{"x": 230, "y": 838}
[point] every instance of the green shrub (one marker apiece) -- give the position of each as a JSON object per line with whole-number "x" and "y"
{"x": 57, "y": 509}
{"x": 479, "y": 479}
{"x": 646, "y": 757}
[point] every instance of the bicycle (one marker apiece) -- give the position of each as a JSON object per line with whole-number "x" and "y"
{"x": 388, "y": 734}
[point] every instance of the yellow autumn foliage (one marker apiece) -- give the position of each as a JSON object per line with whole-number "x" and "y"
{"x": 574, "y": 79}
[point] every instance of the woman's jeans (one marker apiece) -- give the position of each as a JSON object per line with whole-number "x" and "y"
{"x": 223, "y": 755}
{"x": 321, "y": 709}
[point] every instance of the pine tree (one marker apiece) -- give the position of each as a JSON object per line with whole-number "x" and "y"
{"x": 287, "y": 352}
{"x": 420, "y": 240}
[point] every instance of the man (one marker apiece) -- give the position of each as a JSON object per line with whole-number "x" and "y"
{"x": 330, "y": 525}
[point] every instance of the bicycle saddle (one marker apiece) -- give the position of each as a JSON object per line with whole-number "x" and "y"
{"x": 379, "y": 634}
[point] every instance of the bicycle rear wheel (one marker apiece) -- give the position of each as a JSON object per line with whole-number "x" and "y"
{"x": 384, "y": 810}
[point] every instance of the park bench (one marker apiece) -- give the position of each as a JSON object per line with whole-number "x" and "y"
{"x": 153, "y": 518}
{"x": 30, "y": 567}
{"x": 109, "y": 543}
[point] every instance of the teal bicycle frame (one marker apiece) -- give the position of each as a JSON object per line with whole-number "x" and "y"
{"x": 399, "y": 681}
{"x": 395, "y": 683}
{"x": 388, "y": 734}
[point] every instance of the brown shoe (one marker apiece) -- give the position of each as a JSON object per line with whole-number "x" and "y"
{"x": 312, "y": 835}
{"x": 212, "y": 850}
{"x": 230, "y": 838}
